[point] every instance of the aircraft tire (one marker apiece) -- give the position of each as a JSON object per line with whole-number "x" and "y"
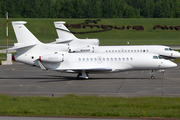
{"x": 152, "y": 77}
{"x": 78, "y": 76}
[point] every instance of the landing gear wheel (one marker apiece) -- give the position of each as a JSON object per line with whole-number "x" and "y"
{"x": 152, "y": 74}
{"x": 78, "y": 76}
{"x": 152, "y": 77}
{"x": 87, "y": 74}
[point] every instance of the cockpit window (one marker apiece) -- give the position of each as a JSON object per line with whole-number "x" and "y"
{"x": 166, "y": 49}
{"x": 160, "y": 57}
{"x": 155, "y": 57}
{"x": 170, "y": 49}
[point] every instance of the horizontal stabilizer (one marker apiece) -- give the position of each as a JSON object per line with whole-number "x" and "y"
{"x": 21, "y": 45}
{"x": 62, "y": 41}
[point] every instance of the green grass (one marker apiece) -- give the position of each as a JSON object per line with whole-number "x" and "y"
{"x": 44, "y": 30}
{"x": 72, "y": 105}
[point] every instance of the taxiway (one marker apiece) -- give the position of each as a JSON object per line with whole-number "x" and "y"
{"x": 24, "y": 80}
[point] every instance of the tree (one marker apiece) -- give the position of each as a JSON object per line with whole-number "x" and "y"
{"x": 67, "y": 10}
{"x": 96, "y": 8}
{"x": 148, "y": 9}
{"x": 166, "y": 7}
{"x": 159, "y": 13}
{"x": 89, "y": 11}
{"x": 108, "y": 8}
{"x": 176, "y": 8}
{"x": 57, "y": 7}
{"x": 78, "y": 7}
{"x": 129, "y": 12}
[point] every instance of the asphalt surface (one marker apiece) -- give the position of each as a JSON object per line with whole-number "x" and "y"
{"x": 24, "y": 80}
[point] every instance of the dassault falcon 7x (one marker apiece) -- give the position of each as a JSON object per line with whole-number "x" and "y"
{"x": 84, "y": 45}
{"x": 57, "y": 58}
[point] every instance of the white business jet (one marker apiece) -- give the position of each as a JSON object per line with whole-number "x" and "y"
{"x": 57, "y": 58}
{"x": 86, "y": 46}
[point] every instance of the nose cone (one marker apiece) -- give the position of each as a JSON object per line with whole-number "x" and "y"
{"x": 176, "y": 54}
{"x": 168, "y": 64}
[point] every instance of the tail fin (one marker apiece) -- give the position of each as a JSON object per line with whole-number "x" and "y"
{"x": 24, "y": 37}
{"x": 63, "y": 33}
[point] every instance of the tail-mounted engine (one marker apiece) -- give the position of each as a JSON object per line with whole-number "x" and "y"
{"x": 52, "y": 58}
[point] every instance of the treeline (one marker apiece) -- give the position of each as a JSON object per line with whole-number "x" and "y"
{"x": 90, "y": 8}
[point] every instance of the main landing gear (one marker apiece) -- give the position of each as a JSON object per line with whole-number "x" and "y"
{"x": 82, "y": 75}
{"x": 152, "y": 75}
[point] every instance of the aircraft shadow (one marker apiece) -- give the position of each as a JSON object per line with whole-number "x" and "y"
{"x": 52, "y": 78}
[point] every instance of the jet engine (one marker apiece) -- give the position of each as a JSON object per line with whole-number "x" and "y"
{"x": 52, "y": 58}
{"x": 84, "y": 49}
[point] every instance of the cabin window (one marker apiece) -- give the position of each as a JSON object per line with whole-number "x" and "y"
{"x": 137, "y": 50}
{"x": 144, "y": 51}
{"x": 128, "y": 50}
{"x": 140, "y": 50}
{"x": 107, "y": 59}
{"x": 112, "y": 50}
{"x": 127, "y": 59}
{"x": 95, "y": 59}
{"x": 109, "y": 50}
{"x": 119, "y": 51}
{"x": 83, "y": 59}
{"x": 111, "y": 59}
{"x": 119, "y": 59}
{"x": 155, "y": 57}
{"x": 131, "y": 50}
{"x": 170, "y": 49}
{"x": 79, "y": 59}
{"x": 115, "y": 50}
{"x": 134, "y": 50}
{"x": 131, "y": 59}
{"x": 147, "y": 50}
{"x": 91, "y": 59}
{"x": 106, "y": 50}
{"x": 115, "y": 59}
{"x": 123, "y": 59}
{"x": 103, "y": 59}
{"x": 87, "y": 59}
{"x": 125, "y": 50}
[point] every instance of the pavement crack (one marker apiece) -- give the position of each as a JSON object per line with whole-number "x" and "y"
{"x": 123, "y": 82}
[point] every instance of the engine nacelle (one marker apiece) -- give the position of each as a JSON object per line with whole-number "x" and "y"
{"x": 84, "y": 49}
{"x": 52, "y": 58}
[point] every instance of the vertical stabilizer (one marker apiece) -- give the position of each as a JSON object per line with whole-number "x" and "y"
{"x": 23, "y": 35}
{"x": 63, "y": 33}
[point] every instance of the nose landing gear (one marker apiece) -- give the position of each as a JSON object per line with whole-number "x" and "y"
{"x": 152, "y": 75}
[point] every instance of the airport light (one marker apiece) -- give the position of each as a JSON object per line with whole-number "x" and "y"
{"x": 6, "y": 32}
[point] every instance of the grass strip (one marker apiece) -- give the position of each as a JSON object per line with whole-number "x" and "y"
{"x": 45, "y": 31}
{"x": 73, "y": 105}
